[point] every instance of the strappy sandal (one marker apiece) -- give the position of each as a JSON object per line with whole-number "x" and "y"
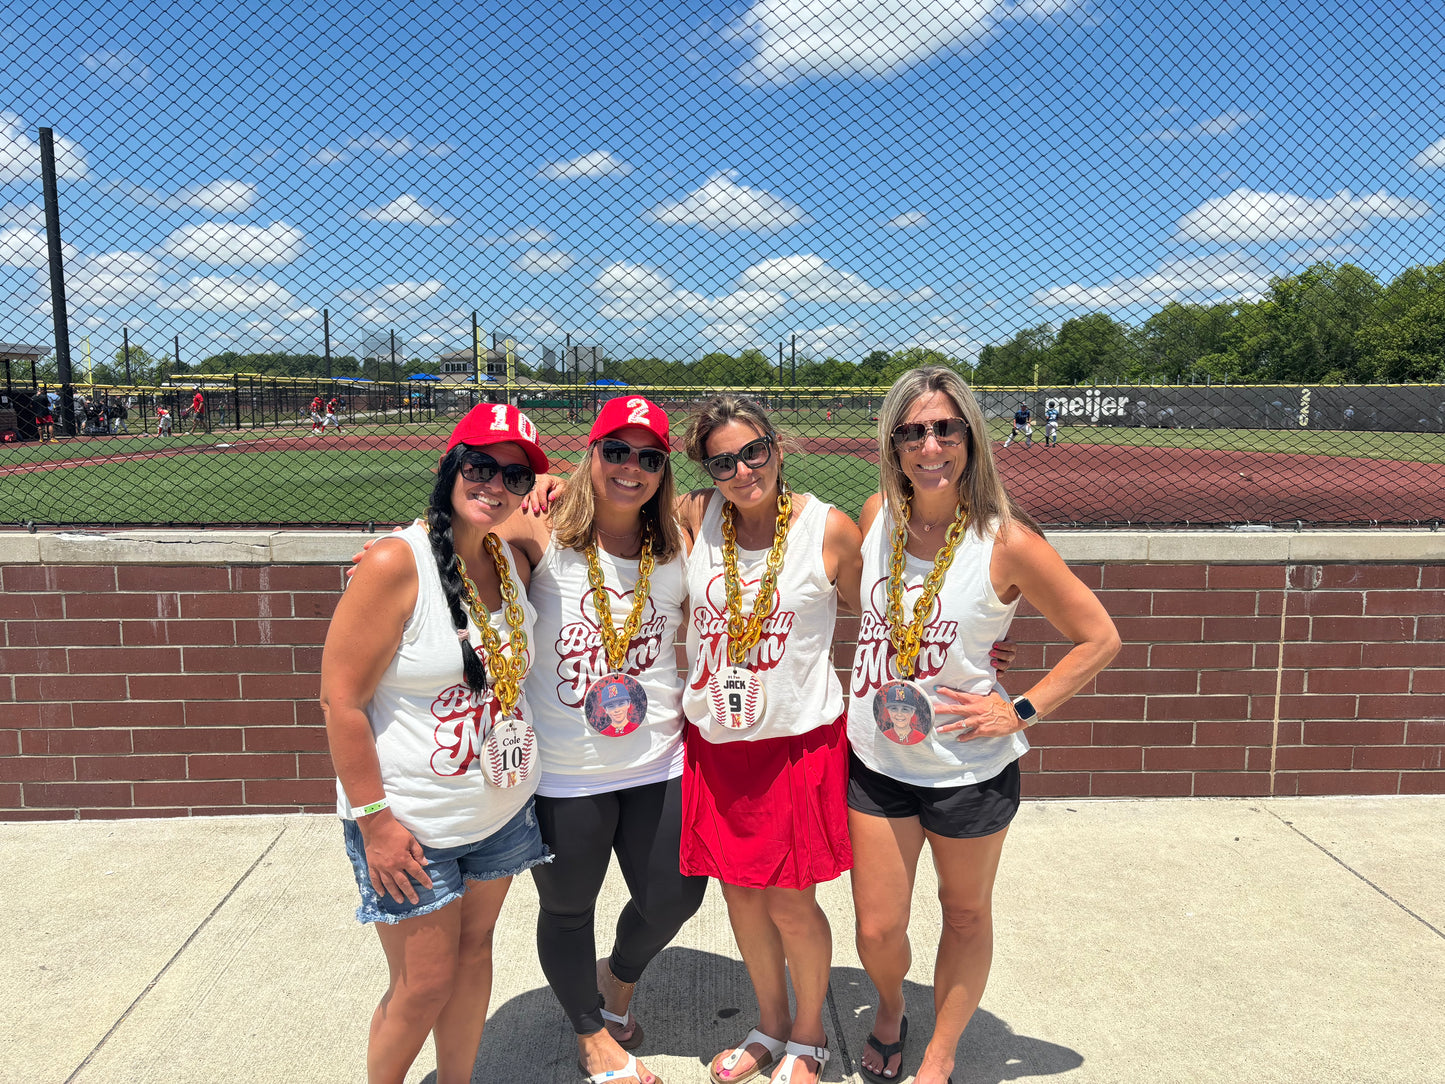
{"x": 784, "y": 1075}
{"x": 630, "y": 1071}
{"x": 774, "y": 1048}
{"x": 886, "y": 1051}
{"x": 633, "y": 1041}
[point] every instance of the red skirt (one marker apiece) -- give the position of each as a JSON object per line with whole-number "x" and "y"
{"x": 770, "y": 813}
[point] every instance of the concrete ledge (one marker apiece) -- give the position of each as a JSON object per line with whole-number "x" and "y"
{"x": 274, "y": 547}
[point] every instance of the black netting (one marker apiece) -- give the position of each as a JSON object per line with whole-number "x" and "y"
{"x": 1206, "y": 237}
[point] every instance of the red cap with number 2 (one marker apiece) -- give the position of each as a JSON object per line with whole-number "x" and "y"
{"x": 629, "y": 410}
{"x": 499, "y": 423}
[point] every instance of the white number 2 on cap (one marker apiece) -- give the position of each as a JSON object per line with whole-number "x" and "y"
{"x": 499, "y": 418}
{"x": 639, "y": 412}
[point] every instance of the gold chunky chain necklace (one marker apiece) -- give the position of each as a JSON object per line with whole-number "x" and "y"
{"x": 507, "y": 670}
{"x": 743, "y": 635}
{"x": 614, "y": 642}
{"x": 907, "y": 639}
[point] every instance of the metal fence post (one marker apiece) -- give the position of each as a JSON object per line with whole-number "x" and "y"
{"x": 57, "y": 280}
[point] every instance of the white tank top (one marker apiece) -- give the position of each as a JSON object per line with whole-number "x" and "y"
{"x": 794, "y": 655}
{"x": 429, "y": 727}
{"x": 576, "y": 759}
{"x": 967, "y": 618}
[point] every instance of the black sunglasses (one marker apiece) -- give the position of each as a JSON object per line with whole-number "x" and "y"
{"x": 479, "y": 467}
{"x": 754, "y": 454}
{"x": 946, "y": 431}
{"x": 617, "y": 452}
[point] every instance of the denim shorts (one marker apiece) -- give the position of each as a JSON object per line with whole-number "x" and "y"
{"x": 512, "y": 848}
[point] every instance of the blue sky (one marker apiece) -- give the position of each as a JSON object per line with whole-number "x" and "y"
{"x": 669, "y": 180}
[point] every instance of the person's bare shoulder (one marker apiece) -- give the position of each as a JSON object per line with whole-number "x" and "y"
{"x": 871, "y": 507}
{"x": 528, "y": 535}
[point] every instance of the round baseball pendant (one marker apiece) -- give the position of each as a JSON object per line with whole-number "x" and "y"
{"x": 510, "y": 753}
{"x": 615, "y": 705}
{"x": 903, "y": 712}
{"x": 735, "y": 697}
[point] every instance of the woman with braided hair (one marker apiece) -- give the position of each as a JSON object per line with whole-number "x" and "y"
{"x": 430, "y": 733}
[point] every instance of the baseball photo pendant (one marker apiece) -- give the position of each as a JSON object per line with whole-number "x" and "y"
{"x": 510, "y": 753}
{"x": 903, "y": 712}
{"x": 736, "y": 698}
{"x": 615, "y": 705}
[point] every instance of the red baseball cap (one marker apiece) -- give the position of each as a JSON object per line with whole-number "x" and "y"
{"x": 499, "y": 423}
{"x": 629, "y": 410}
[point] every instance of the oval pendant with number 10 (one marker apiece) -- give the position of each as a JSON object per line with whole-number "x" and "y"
{"x": 510, "y": 753}
{"x": 735, "y": 697}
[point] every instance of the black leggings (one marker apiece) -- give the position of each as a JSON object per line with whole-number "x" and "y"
{"x": 643, "y": 825}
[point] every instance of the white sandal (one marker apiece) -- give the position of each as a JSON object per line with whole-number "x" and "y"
{"x": 635, "y": 1040}
{"x": 774, "y": 1047}
{"x": 795, "y": 1051}
{"x": 630, "y": 1070}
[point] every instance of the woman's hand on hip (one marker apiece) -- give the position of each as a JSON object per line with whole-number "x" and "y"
{"x": 990, "y": 716}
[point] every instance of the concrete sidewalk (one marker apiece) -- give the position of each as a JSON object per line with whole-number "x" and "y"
{"x": 1241, "y": 941}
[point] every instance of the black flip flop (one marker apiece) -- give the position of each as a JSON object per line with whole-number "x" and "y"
{"x": 887, "y": 1050}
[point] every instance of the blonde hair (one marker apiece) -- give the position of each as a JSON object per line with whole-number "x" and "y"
{"x": 574, "y": 520}
{"x": 980, "y": 489}
{"x": 712, "y": 414}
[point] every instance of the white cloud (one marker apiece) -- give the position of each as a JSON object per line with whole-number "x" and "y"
{"x": 1432, "y": 157}
{"x": 872, "y": 39}
{"x": 637, "y": 293}
{"x": 403, "y": 294}
{"x": 1222, "y": 125}
{"x": 221, "y": 197}
{"x": 909, "y": 220}
{"x": 408, "y": 210}
{"x": 535, "y": 261}
{"x": 1249, "y": 217}
{"x": 722, "y": 205}
{"x": 529, "y": 235}
{"x": 114, "y": 278}
{"x": 949, "y": 334}
{"x": 831, "y": 340}
{"x": 227, "y": 293}
{"x": 592, "y": 164}
{"x": 745, "y": 305}
{"x": 20, "y": 153}
{"x": 23, "y": 246}
{"x": 731, "y": 335}
{"x": 121, "y": 66}
{"x": 811, "y": 278}
{"x": 1222, "y": 276}
{"x": 387, "y": 144}
{"x": 234, "y": 244}
{"x": 301, "y": 315}
{"x": 535, "y": 323}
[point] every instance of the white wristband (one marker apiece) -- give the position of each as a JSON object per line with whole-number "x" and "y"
{"x": 375, "y": 807}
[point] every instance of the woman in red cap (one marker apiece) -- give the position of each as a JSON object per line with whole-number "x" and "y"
{"x": 431, "y": 736}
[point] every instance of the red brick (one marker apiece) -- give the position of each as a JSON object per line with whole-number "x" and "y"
{"x": 1347, "y": 783}
{"x": 243, "y": 766}
{"x": 288, "y": 739}
{"x": 1189, "y": 758}
{"x": 64, "y": 687}
{"x": 1368, "y": 577}
{"x": 185, "y": 687}
{"x": 28, "y": 769}
{"x": 71, "y": 742}
{"x": 1168, "y": 577}
{"x": 1140, "y": 785}
{"x": 1427, "y": 681}
{"x": 1202, "y": 656}
{"x": 1029, "y": 630}
{"x": 162, "y": 578}
{"x": 1313, "y": 758}
{"x": 1401, "y": 707}
{"x": 1152, "y": 630}
{"x": 1210, "y": 603}
{"x": 1245, "y": 577}
{"x": 73, "y": 795}
{"x": 846, "y": 629}
{"x": 295, "y": 631}
{"x": 63, "y": 578}
{"x": 1120, "y": 603}
{"x": 1348, "y": 732}
{"x": 1269, "y": 603}
{"x": 13, "y": 813}
{"x": 1147, "y": 682}
{"x": 125, "y": 660}
{"x": 61, "y": 633}
{"x": 1347, "y": 603}
{"x": 242, "y": 713}
{"x": 1366, "y": 629}
{"x": 1313, "y": 656}
{"x": 139, "y": 605}
{"x": 216, "y": 633}
{"x": 1143, "y": 734}
{"x": 1056, "y": 785}
{"x": 181, "y": 792}
{"x": 1101, "y": 707}
{"x": 33, "y": 660}
{"x": 131, "y": 814}
{"x": 1231, "y": 784}
{"x": 186, "y": 739}
{"x": 289, "y": 578}
{"x": 1431, "y": 577}
{"x": 7, "y": 686}
{"x": 1320, "y": 706}
{"x": 296, "y": 686}
{"x": 31, "y": 607}
{"x": 290, "y": 792}
{"x": 11, "y": 794}
{"x": 1233, "y": 732}
{"x": 1399, "y": 757}
{"x": 251, "y": 659}
{"x": 9, "y": 743}
{"x": 1165, "y": 708}
{"x": 1053, "y": 733}
{"x": 1429, "y": 628}
{"x": 1117, "y": 759}
{"x": 308, "y": 713}
{"x": 1384, "y": 603}
{"x": 233, "y": 604}
{"x": 36, "y": 716}
{"x": 130, "y": 768}
{"x": 1359, "y": 681}
{"x": 307, "y": 660}
{"x": 1425, "y": 732}
{"x": 1091, "y": 576}
{"x": 1422, "y": 782}
{"x": 1248, "y": 682}
{"x": 133, "y": 713}
{"x": 243, "y": 811}
{"x": 1254, "y": 630}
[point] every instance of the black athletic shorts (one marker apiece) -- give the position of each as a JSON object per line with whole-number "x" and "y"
{"x": 968, "y": 812}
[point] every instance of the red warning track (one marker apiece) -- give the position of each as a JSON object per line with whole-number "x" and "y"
{"x": 1078, "y": 483}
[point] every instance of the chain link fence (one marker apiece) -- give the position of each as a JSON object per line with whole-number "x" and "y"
{"x": 255, "y": 260}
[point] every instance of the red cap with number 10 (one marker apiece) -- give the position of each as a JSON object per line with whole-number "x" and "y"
{"x": 629, "y": 410}
{"x": 499, "y": 423}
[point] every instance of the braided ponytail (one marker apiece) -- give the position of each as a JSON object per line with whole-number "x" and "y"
{"x": 439, "y": 522}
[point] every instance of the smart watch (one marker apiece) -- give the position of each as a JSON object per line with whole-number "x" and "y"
{"x": 1026, "y": 712}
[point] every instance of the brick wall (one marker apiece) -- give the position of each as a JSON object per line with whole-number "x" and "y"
{"x": 135, "y": 686}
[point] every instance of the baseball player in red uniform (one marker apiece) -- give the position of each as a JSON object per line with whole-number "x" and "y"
{"x": 198, "y": 408}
